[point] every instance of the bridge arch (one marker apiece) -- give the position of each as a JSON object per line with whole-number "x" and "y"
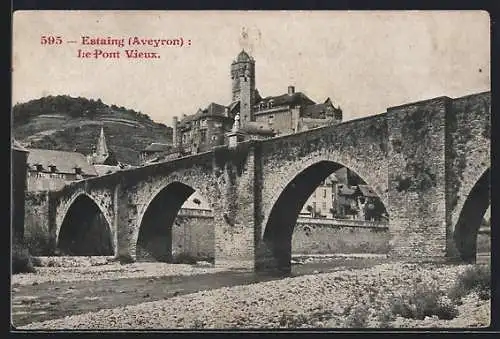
{"x": 274, "y": 250}
{"x": 84, "y": 228}
{"x": 470, "y": 218}
{"x": 153, "y": 235}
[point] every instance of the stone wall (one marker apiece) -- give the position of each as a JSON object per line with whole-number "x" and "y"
{"x": 37, "y": 221}
{"x": 324, "y": 236}
{"x": 193, "y": 235}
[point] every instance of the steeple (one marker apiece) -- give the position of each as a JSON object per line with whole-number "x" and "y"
{"x": 100, "y": 153}
{"x": 102, "y": 148}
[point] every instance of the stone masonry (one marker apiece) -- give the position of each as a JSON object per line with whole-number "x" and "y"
{"x": 426, "y": 161}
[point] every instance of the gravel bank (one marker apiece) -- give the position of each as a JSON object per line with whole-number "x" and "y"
{"x": 320, "y": 301}
{"x": 74, "y": 269}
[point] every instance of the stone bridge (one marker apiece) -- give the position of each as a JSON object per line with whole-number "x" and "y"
{"x": 428, "y": 161}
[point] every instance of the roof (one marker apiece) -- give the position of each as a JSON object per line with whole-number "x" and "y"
{"x": 297, "y": 98}
{"x": 216, "y": 109}
{"x": 106, "y": 169}
{"x": 253, "y": 127}
{"x": 345, "y": 190}
{"x": 323, "y": 110}
{"x": 331, "y": 179}
{"x": 367, "y": 191}
{"x": 16, "y": 145}
{"x": 243, "y": 57}
{"x": 234, "y": 105}
{"x": 65, "y": 162}
{"x": 213, "y": 110}
{"x": 157, "y": 147}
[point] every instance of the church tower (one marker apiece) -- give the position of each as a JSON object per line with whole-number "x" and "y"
{"x": 243, "y": 84}
{"x": 100, "y": 152}
{"x": 102, "y": 148}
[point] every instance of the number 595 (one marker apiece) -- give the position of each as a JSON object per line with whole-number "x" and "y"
{"x": 50, "y": 40}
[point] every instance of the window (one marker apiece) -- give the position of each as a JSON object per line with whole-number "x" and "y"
{"x": 324, "y": 205}
{"x": 324, "y": 193}
{"x": 214, "y": 137}
{"x": 52, "y": 168}
{"x": 203, "y": 135}
{"x": 78, "y": 170}
{"x": 270, "y": 120}
{"x": 39, "y": 167}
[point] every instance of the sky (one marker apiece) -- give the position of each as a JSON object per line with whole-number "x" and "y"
{"x": 364, "y": 61}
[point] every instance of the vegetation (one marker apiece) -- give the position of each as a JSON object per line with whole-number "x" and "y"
{"x": 424, "y": 302}
{"x": 73, "y": 124}
{"x": 475, "y": 279}
{"x": 293, "y": 320}
{"x": 358, "y": 317}
{"x": 73, "y": 107}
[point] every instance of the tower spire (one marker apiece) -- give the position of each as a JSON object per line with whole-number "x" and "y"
{"x": 102, "y": 148}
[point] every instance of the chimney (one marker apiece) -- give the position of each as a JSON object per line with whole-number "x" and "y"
{"x": 291, "y": 90}
{"x": 174, "y": 131}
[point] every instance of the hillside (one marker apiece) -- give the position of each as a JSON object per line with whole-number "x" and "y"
{"x": 69, "y": 124}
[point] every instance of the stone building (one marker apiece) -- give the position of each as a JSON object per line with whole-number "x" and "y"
{"x": 50, "y": 170}
{"x": 321, "y": 201}
{"x": 259, "y": 117}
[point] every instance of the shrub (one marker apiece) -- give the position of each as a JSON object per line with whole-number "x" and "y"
{"x": 292, "y": 321}
{"x": 423, "y": 302}
{"x": 358, "y": 317}
{"x": 198, "y": 323}
{"x": 21, "y": 259}
{"x": 384, "y": 318}
{"x": 476, "y": 278}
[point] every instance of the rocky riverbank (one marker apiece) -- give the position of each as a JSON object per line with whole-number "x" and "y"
{"x": 55, "y": 269}
{"x": 360, "y": 298}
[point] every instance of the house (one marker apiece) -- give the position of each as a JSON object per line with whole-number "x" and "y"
{"x": 50, "y": 170}
{"x": 321, "y": 201}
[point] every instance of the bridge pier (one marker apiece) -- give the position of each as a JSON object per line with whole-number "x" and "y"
{"x": 234, "y": 217}
{"x": 417, "y": 186}
{"x": 125, "y": 218}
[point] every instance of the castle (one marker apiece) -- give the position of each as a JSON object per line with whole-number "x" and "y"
{"x": 259, "y": 117}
